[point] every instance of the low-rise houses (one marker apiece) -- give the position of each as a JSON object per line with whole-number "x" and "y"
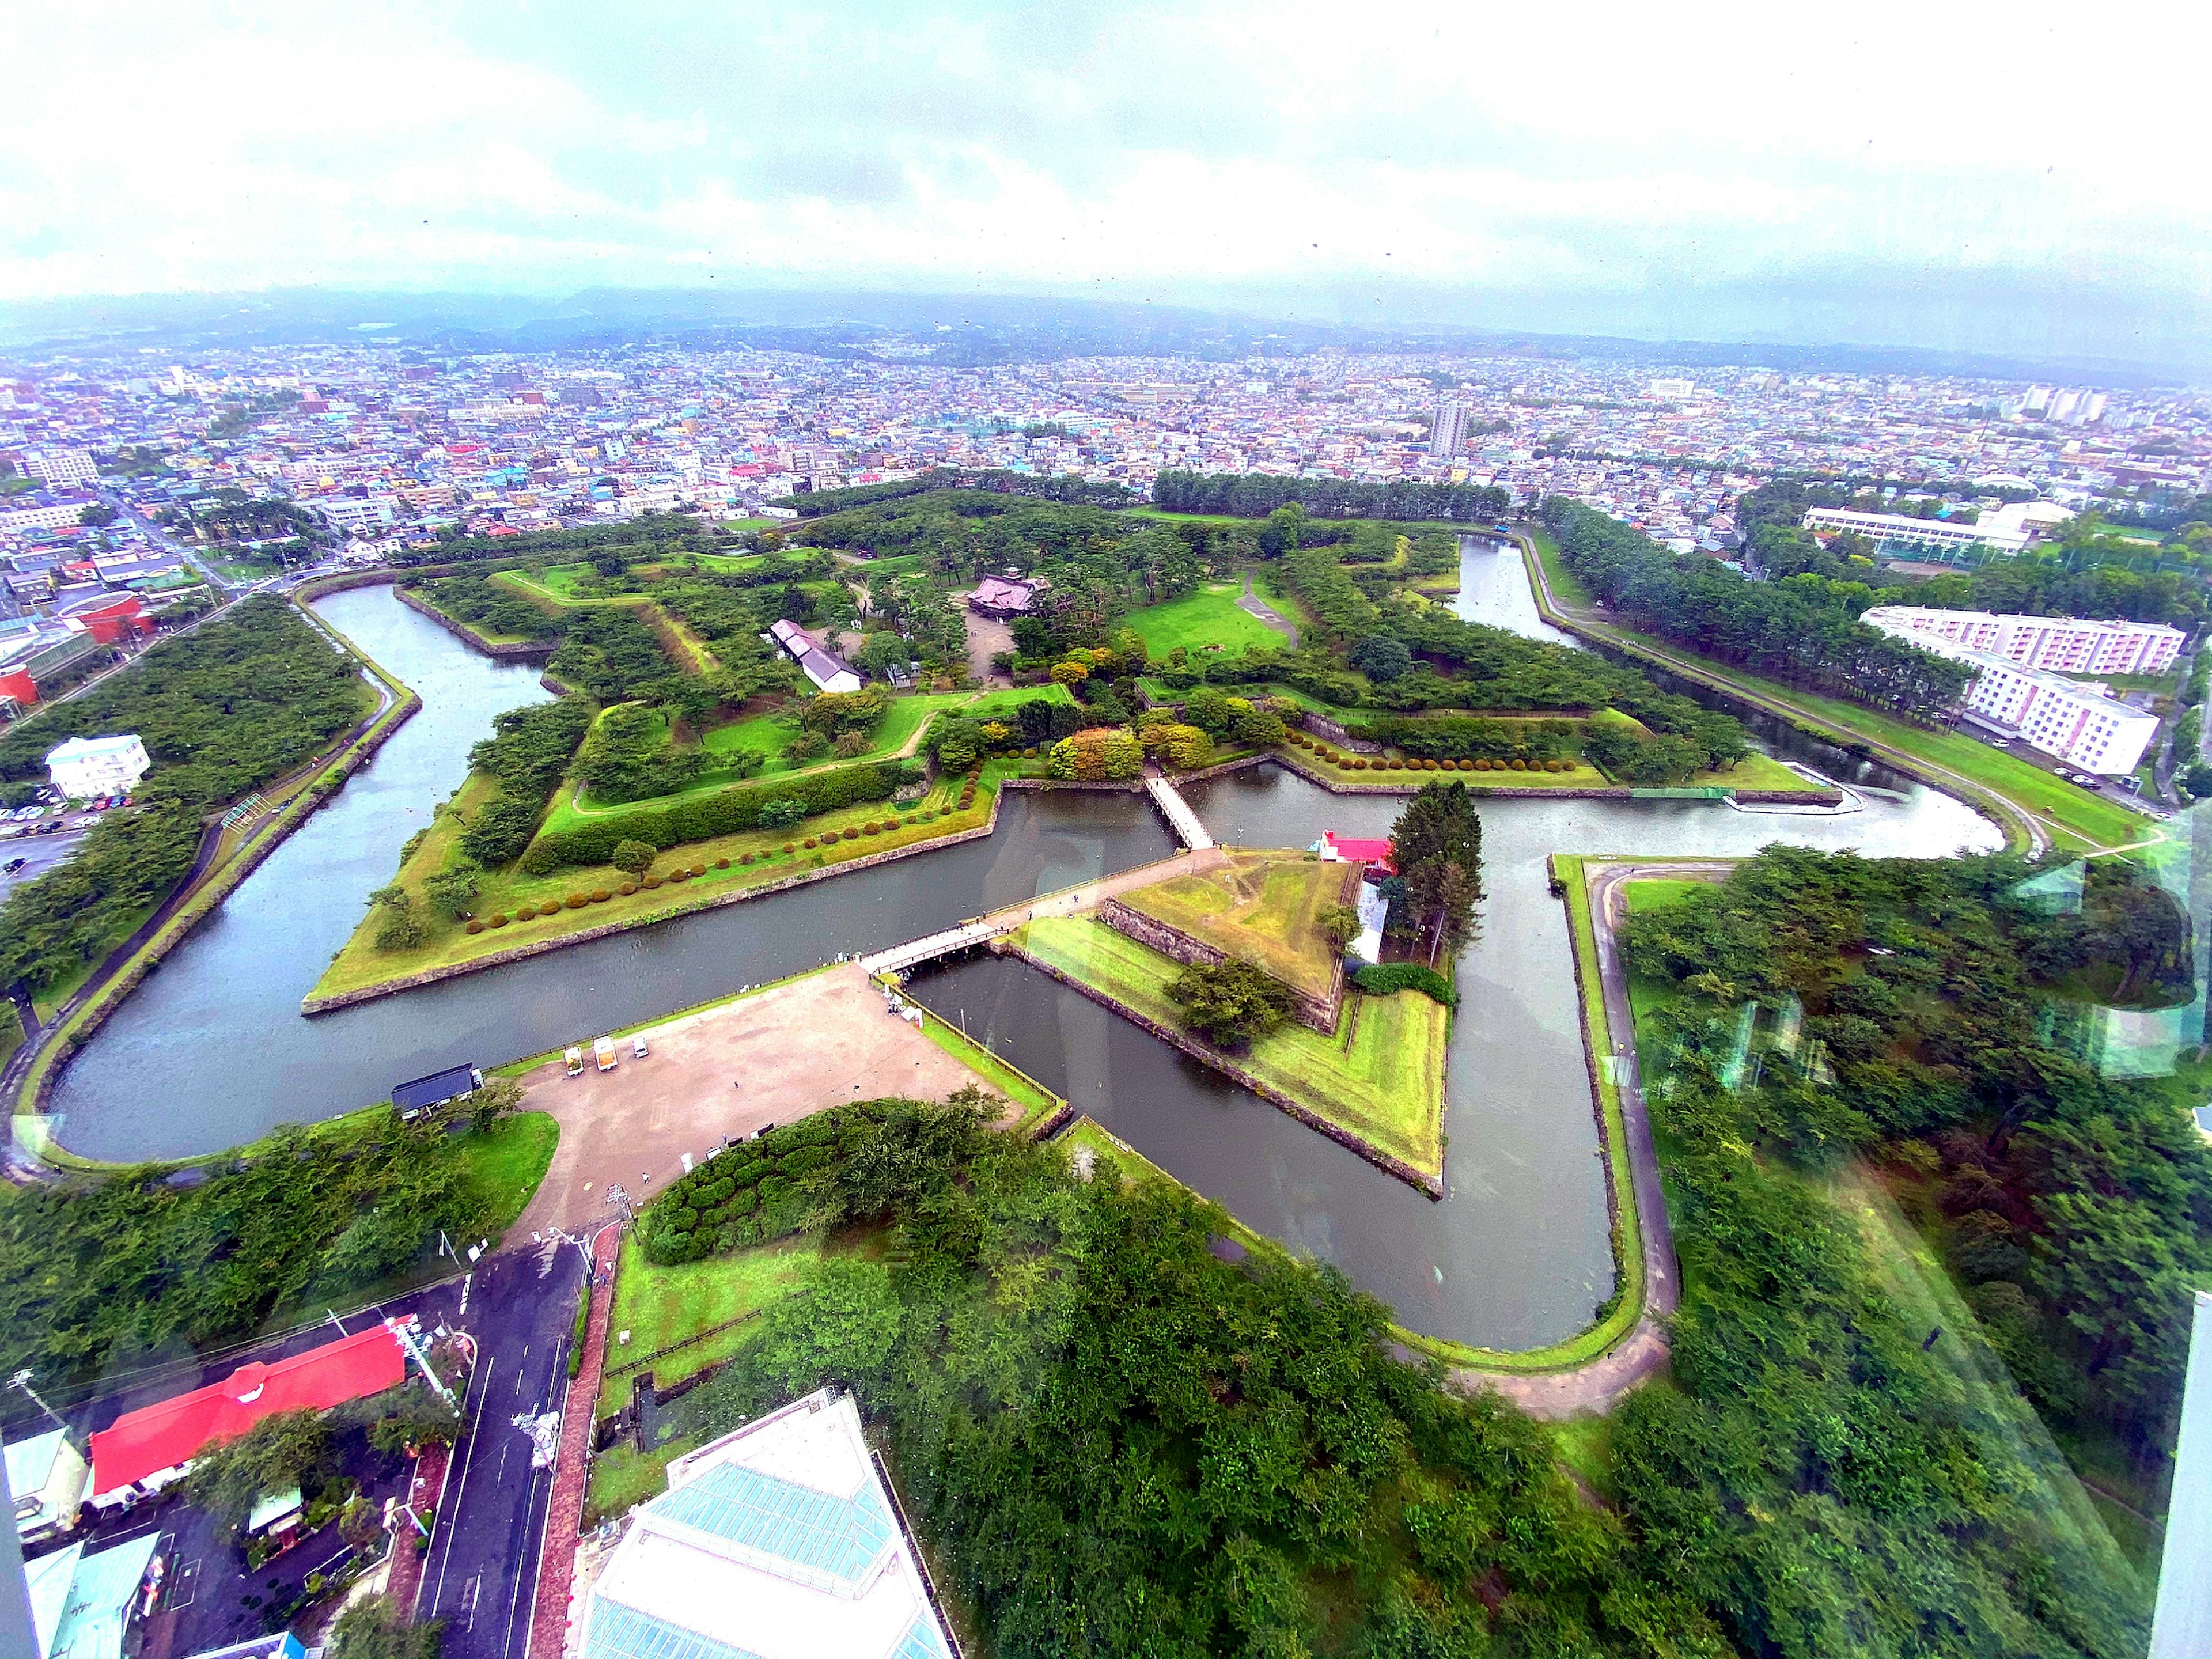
{"x": 46, "y": 1476}
{"x": 829, "y": 671}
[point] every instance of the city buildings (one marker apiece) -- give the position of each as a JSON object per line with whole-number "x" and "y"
{"x": 1449, "y": 430}
{"x": 83, "y": 1601}
{"x": 2063, "y": 644}
{"x": 778, "y": 1541}
{"x": 46, "y": 1475}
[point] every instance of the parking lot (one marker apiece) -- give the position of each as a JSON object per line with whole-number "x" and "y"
{"x": 39, "y": 853}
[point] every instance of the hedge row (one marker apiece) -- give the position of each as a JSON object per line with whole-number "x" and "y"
{"x": 1363, "y": 764}
{"x": 1381, "y": 979}
{"x": 722, "y": 813}
{"x": 752, "y": 1191}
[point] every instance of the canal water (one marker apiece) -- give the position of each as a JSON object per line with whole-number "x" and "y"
{"x": 211, "y": 1050}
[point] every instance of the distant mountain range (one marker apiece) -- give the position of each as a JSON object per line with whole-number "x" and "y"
{"x": 953, "y": 330}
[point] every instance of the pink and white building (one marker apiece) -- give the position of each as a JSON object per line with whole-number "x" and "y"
{"x": 2063, "y": 644}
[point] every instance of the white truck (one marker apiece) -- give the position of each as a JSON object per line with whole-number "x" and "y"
{"x": 603, "y": 1052}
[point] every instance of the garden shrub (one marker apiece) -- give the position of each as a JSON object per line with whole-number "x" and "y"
{"x": 473, "y": 927}
{"x": 724, "y": 864}
{"x": 627, "y": 889}
{"x": 1516, "y": 764}
{"x": 788, "y": 848}
{"x": 498, "y": 919}
{"x": 577, "y": 901}
{"x": 698, "y": 869}
{"x": 745, "y": 858}
{"x": 652, "y": 882}
{"x": 1381, "y": 979}
{"x": 679, "y": 873}
{"x": 869, "y": 829}
{"x": 600, "y": 896}
{"x": 809, "y": 844}
{"x": 635, "y": 856}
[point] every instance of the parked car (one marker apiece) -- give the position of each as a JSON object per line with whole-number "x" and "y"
{"x": 13, "y": 865}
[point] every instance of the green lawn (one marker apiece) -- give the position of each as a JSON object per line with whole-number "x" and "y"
{"x": 1381, "y": 1076}
{"x": 1037, "y": 1103}
{"x": 358, "y": 964}
{"x": 505, "y": 1165}
{"x": 1567, "y": 586}
{"x": 1660, "y": 893}
{"x": 1203, "y": 618}
{"x": 660, "y": 1306}
{"x": 1261, "y": 909}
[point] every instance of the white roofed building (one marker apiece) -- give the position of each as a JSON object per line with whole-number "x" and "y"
{"x": 85, "y": 767}
{"x": 777, "y": 1542}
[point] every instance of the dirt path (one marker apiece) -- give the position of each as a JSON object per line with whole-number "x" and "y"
{"x": 1600, "y": 1384}
{"x": 1253, "y": 606}
{"x": 776, "y": 1057}
{"x": 986, "y": 635}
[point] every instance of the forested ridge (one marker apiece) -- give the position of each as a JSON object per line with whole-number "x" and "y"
{"x": 2075, "y": 1207}
{"x": 1257, "y": 494}
{"x": 1117, "y": 1441}
{"x": 223, "y": 711}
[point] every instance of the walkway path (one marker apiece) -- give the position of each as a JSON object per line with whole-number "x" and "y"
{"x": 1253, "y": 606}
{"x": 1185, "y": 823}
{"x": 1600, "y": 1385}
{"x": 987, "y": 637}
{"x": 1580, "y": 620}
{"x": 564, "y": 1514}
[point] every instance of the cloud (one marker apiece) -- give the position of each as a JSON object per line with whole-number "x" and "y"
{"x": 1641, "y": 157}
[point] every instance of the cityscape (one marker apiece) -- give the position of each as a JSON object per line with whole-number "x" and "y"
{"x": 838, "y": 834}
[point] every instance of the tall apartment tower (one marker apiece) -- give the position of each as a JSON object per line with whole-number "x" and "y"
{"x": 1449, "y": 431}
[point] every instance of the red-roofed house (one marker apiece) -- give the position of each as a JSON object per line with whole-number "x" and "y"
{"x": 1347, "y": 849}
{"x": 144, "y": 1450}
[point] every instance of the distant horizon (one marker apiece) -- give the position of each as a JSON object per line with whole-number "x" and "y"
{"x": 228, "y": 317}
{"x": 1905, "y": 177}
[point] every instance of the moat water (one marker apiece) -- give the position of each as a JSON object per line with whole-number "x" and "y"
{"x": 212, "y": 1050}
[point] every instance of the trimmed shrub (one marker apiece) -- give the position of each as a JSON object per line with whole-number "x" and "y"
{"x": 721, "y": 864}
{"x": 600, "y": 896}
{"x": 679, "y": 873}
{"x": 627, "y": 889}
{"x": 809, "y": 844}
{"x": 869, "y": 828}
{"x": 698, "y": 869}
{"x": 652, "y": 882}
{"x": 524, "y": 912}
{"x": 1381, "y": 979}
{"x": 633, "y": 856}
{"x": 473, "y": 927}
{"x": 498, "y": 920}
{"x": 1516, "y": 764}
{"x": 745, "y": 858}
{"x": 788, "y": 848}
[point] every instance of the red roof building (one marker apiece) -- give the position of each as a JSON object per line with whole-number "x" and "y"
{"x": 156, "y": 1440}
{"x": 1347, "y": 849}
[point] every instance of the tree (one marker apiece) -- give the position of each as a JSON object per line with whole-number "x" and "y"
{"x": 883, "y": 651}
{"x": 635, "y": 856}
{"x": 376, "y": 1629}
{"x": 399, "y": 928}
{"x": 2197, "y": 781}
{"x": 454, "y": 888}
{"x": 1069, "y": 673}
{"x": 497, "y": 1098}
{"x": 1096, "y": 755}
{"x": 1437, "y": 844}
{"x": 781, "y": 812}
{"x": 1230, "y": 1002}
{"x": 98, "y": 516}
{"x": 1338, "y": 923}
{"x": 291, "y": 1448}
{"x": 1382, "y": 656}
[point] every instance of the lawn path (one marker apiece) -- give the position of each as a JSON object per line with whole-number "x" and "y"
{"x": 1253, "y": 606}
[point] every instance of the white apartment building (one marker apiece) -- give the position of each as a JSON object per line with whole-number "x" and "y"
{"x": 55, "y": 517}
{"x": 61, "y": 466}
{"x": 84, "y": 766}
{"x": 2056, "y": 716}
{"x": 2065, "y": 644}
{"x": 1448, "y": 431}
{"x": 1932, "y": 535}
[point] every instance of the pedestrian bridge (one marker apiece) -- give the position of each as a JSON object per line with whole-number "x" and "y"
{"x": 1176, "y": 810}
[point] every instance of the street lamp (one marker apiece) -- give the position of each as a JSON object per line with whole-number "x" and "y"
{"x": 22, "y": 1379}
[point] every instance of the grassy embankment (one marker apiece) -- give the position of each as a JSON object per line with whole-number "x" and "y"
{"x": 1755, "y": 771}
{"x": 2074, "y": 818}
{"x": 1262, "y": 907}
{"x": 359, "y": 964}
{"x": 1203, "y": 621}
{"x": 1379, "y": 1077}
{"x": 700, "y": 1305}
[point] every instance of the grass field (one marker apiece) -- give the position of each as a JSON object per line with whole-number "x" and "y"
{"x": 1381, "y": 1076}
{"x": 662, "y": 1306}
{"x": 358, "y": 964}
{"x": 1261, "y": 909}
{"x": 1205, "y": 618}
{"x": 1037, "y": 1103}
{"x": 505, "y": 1165}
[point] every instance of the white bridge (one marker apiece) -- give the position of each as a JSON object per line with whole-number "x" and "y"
{"x": 900, "y": 957}
{"x": 1176, "y": 810}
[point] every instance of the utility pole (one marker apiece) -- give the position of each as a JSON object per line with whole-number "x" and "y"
{"x": 415, "y": 1349}
{"x": 22, "y": 1379}
{"x": 620, "y": 1199}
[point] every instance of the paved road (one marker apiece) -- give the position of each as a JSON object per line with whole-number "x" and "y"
{"x": 482, "y": 1561}
{"x": 1253, "y": 606}
{"x": 1600, "y": 1384}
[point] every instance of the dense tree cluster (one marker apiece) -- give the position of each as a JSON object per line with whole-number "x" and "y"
{"x": 718, "y": 812}
{"x": 1074, "y": 491}
{"x": 1229, "y": 1003}
{"x": 491, "y": 607}
{"x": 528, "y": 753}
{"x": 1257, "y": 494}
{"x": 1436, "y": 846}
{"x": 103, "y": 1277}
{"x": 1803, "y": 630}
{"x": 2079, "y": 1205}
{"x": 222, "y": 711}
{"x": 627, "y": 756}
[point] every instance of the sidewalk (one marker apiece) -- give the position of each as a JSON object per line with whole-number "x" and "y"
{"x": 405, "y": 1586}
{"x": 564, "y": 1511}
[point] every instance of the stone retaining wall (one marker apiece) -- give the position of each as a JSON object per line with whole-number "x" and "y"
{"x": 1432, "y": 1186}
{"x": 517, "y": 651}
{"x": 1321, "y": 726}
{"x": 1319, "y": 1012}
{"x": 1510, "y": 791}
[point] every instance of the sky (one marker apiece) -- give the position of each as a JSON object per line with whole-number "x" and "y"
{"x": 2028, "y": 178}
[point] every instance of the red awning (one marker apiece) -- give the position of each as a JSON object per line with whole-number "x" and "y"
{"x": 157, "y": 1437}
{"x": 1351, "y": 850}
